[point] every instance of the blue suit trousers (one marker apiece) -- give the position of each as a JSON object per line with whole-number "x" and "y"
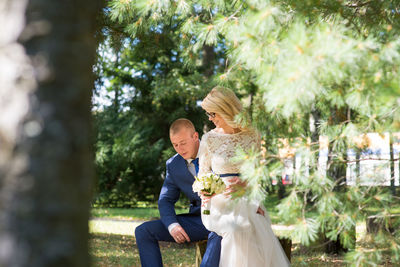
{"x": 149, "y": 233}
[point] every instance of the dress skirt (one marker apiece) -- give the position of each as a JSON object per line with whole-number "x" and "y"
{"x": 247, "y": 237}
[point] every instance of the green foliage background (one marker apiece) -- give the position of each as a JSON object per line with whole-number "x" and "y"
{"x": 148, "y": 86}
{"x": 303, "y": 69}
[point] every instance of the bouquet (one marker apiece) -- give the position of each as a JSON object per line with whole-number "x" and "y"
{"x": 209, "y": 184}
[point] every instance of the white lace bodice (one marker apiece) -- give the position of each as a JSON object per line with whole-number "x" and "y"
{"x": 247, "y": 237}
{"x": 218, "y": 149}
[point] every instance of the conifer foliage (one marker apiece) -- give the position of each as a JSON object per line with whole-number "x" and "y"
{"x": 305, "y": 69}
{"x": 147, "y": 79}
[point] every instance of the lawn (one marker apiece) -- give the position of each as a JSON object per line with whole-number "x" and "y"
{"x": 144, "y": 211}
{"x": 120, "y": 250}
{"x": 112, "y": 241}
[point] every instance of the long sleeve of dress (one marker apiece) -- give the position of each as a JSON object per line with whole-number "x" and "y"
{"x": 247, "y": 237}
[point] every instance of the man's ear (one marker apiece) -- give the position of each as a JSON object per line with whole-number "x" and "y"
{"x": 196, "y": 135}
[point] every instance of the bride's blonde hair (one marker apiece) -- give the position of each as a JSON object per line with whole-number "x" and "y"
{"x": 224, "y": 102}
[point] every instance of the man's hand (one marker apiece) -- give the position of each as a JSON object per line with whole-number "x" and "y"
{"x": 179, "y": 234}
{"x": 236, "y": 187}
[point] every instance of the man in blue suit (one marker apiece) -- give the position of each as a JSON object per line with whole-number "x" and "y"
{"x": 182, "y": 228}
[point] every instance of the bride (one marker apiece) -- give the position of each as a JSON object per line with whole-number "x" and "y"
{"x": 247, "y": 236}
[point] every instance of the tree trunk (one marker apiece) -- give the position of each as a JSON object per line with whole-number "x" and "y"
{"x": 337, "y": 171}
{"x": 392, "y": 177}
{"x": 208, "y": 60}
{"x": 46, "y": 57}
{"x": 117, "y": 90}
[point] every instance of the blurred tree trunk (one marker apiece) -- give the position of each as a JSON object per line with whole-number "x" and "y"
{"x": 208, "y": 60}
{"x": 391, "y": 166}
{"x": 47, "y": 51}
{"x": 337, "y": 171}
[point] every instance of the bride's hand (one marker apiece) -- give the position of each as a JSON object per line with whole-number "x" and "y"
{"x": 236, "y": 187}
{"x": 260, "y": 211}
{"x": 205, "y": 198}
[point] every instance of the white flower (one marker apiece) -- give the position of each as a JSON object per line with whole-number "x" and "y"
{"x": 209, "y": 183}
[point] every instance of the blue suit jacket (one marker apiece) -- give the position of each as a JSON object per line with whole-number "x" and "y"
{"x": 177, "y": 179}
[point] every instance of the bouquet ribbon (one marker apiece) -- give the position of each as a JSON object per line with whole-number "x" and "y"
{"x": 228, "y": 174}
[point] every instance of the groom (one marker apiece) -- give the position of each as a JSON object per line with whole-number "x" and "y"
{"x": 180, "y": 172}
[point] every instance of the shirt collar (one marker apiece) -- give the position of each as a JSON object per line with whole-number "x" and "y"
{"x": 190, "y": 160}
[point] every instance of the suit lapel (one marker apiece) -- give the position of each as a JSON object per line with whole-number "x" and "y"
{"x": 182, "y": 168}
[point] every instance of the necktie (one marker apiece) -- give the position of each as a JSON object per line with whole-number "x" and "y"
{"x": 196, "y": 165}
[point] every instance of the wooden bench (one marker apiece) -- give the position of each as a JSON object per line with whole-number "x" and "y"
{"x": 286, "y": 244}
{"x": 200, "y": 250}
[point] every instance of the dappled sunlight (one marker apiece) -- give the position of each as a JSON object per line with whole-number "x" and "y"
{"x": 115, "y": 227}
{"x": 120, "y": 250}
{"x": 113, "y": 244}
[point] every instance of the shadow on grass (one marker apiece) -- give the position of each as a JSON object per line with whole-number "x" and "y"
{"x": 108, "y": 250}
{"x": 304, "y": 256}
{"x": 120, "y": 250}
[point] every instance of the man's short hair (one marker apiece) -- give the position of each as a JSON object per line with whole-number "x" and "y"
{"x": 179, "y": 124}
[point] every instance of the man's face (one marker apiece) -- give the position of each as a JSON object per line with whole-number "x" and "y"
{"x": 186, "y": 143}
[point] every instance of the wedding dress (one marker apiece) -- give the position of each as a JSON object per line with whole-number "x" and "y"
{"x": 247, "y": 237}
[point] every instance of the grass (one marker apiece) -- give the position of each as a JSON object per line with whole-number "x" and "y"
{"x": 112, "y": 241}
{"x": 125, "y": 213}
{"x": 119, "y": 250}
{"x": 113, "y": 227}
{"x": 145, "y": 211}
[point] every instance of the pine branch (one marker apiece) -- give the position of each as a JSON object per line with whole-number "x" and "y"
{"x": 359, "y": 4}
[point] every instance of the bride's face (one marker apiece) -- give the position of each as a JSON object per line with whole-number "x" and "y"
{"x": 218, "y": 121}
